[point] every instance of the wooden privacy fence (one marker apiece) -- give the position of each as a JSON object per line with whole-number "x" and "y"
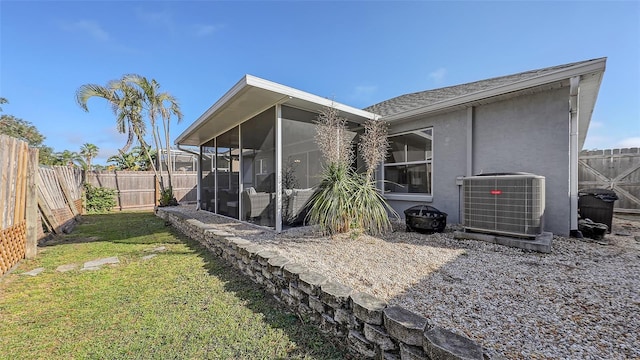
{"x": 614, "y": 169}
{"x": 60, "y": 197}
{"x": 18, "y": 202}
{"x": 140, "y": 190}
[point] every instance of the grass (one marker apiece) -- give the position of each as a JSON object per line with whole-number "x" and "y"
{"x": 182, "y": 304}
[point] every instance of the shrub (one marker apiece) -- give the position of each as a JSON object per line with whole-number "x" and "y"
{"x": 167, "y": 198}
{"x": 331, "y": 206}
{"x": 99, "y": 199}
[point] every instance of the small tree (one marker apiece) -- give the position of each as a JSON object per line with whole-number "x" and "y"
{"x": 89, "y": 152}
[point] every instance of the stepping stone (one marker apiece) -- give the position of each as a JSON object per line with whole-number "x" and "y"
{"x": 147, "y": 257}
{"x": 34, "y": 272}
{"x": 99, "y": 262}
{"x": 91, "y": 268}
{"x": 67, "y": 267}
{"x": 158, "y": 249}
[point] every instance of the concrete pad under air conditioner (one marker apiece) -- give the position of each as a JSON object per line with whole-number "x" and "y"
{"x": 541, "y": 243}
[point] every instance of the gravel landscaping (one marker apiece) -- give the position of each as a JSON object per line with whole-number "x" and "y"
{"x": 581, "y": 301}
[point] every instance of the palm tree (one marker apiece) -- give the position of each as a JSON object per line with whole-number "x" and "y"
{"x": 89, "y": 152}
{"x": 129, "y": 97}
{"x": 126, "y": 104}
{"x": 158, "y": 104}
{"x": 68, "y": 158}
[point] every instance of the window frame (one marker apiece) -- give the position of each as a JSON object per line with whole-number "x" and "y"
{"x": 428, "y": 161}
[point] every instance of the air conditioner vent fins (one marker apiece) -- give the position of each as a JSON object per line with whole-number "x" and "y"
{"x": 504, "y": 204}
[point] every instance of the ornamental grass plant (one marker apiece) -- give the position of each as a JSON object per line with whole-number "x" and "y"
{"x": 346, "y": 200}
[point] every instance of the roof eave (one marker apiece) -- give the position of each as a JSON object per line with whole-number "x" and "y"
{"x": 216, "y": 106}
{"x": 597, "y": 65}
{"x": 287, "y": 95}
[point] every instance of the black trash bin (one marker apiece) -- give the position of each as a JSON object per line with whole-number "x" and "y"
{"x": 425, "y": 217}
{"x": 597, "y": 205}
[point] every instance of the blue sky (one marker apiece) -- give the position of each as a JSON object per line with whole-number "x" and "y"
{"x": 358, "y": 53}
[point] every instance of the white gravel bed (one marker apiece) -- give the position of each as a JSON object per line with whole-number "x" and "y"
{"x": 582, "y": 301}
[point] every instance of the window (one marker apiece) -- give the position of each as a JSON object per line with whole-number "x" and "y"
{"x": 407, "y": 168}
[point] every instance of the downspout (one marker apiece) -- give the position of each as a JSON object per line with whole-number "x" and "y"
{"x": 470, "y": 141}
{"x": 574, "y": 92}
{"x": 199, "y": 155}
{"x": 469, "y": 165}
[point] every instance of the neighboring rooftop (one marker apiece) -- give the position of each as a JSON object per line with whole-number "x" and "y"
{"x": 412, "y": 101}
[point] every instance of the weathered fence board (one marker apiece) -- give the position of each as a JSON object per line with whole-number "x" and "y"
{"x": 137, "y": 190}
{"x": 55, "y": 205}
{"x": 615, "y": 169}
{"x": 17, "y": 175}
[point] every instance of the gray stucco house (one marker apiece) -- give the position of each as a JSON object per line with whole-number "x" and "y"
{"x": 259, "y": 161}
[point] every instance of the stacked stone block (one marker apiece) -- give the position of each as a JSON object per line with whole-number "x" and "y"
{"x": 367, "y": 326}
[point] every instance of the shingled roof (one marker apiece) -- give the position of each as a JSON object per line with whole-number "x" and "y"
{"x": 408, "y": 102}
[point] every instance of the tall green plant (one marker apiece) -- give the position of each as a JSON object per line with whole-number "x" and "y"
{"x": 331, "y": 204}
{"x": 372, "y": 210}
{"x": 346, "y": 200}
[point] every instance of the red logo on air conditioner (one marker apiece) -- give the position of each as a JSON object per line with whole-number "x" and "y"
{"x": 495, "y": 192}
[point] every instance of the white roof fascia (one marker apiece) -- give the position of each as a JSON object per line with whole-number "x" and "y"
{"x": 285, "y": 91}
{"x": 302, "y": 95}
{"x": 562, "y": 74}
{"x": 216, "y": 106}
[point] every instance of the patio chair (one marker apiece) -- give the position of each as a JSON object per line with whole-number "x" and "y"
{"x": 296, "y": 205}
{"x": 256, "y": 204}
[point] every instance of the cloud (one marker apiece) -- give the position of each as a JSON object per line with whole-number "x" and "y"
{"x": 594, "y": 142}
{"x": 104, "y": 154}
{"x": 596, "y": 125}
{"x": 363, "y": 92}
{"x": 629, "y": 142}
{"x": 158, "y": 18}
{"x": 89, "y": 27}
{"x": 205, "y": 30}
{"x": 75, "y": 138}
{"x": 438, "y": 75}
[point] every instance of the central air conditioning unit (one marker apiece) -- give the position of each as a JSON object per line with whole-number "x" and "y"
{"x": 510, "y": 204}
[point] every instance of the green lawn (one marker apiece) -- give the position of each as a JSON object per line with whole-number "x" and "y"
{"x": 181, "y": 304}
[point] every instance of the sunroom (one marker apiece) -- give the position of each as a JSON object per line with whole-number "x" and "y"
{"x": 258, "y": 158}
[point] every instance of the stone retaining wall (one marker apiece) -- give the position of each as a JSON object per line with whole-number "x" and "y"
{"x": 367, "y": 326}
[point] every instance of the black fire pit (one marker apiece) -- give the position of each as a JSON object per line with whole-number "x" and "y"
{"x": 426, "y": 218}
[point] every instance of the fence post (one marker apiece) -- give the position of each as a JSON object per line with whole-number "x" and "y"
{"x": 32, "y": 205}
{"x": 156, "y": 185}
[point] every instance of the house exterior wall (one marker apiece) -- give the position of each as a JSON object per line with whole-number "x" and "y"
{"x": 529, "y": 133}
{"x": 449, "y": 161}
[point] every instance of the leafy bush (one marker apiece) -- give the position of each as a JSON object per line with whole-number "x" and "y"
{"x": 167, "y": 198}
{"x": 99, "y": 199}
